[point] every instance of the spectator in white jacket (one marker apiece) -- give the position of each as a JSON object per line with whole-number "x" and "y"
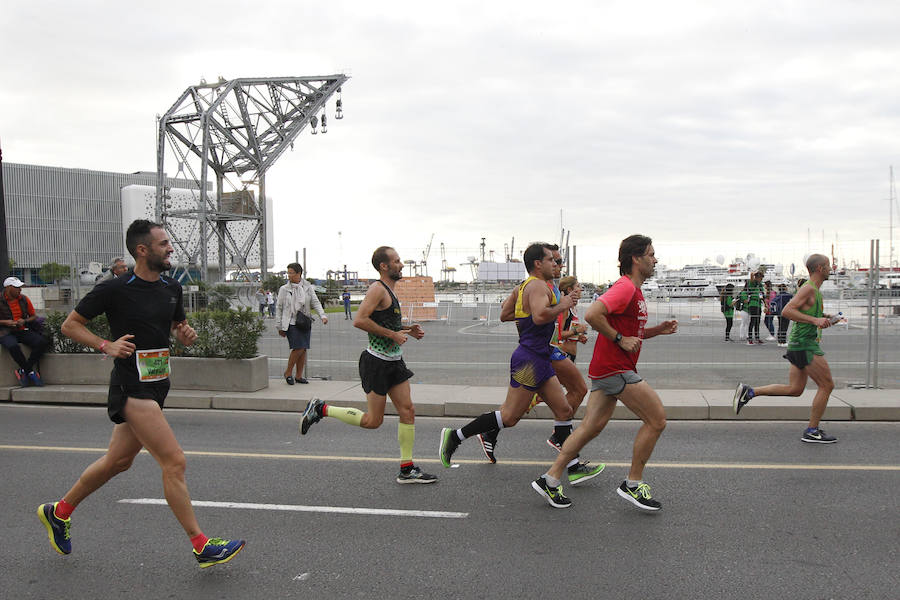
{"x": 293, "y": 318}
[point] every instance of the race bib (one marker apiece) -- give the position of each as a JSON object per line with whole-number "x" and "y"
{"x": 152, "y": 365}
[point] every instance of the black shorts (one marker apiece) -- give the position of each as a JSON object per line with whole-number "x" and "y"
{"x": 802, "y": 358}
{"x": 379, "y": 375}
{"x": 120, "y": 392}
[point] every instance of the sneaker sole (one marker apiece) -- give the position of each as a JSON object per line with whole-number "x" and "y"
{"x": 586, "y": 478}
{"x": 809, "y": 441}
{"x": 206, "y": 565}
{"x": 547, "y": 497}
{"x": 634, "y": 501}
{"x": 493, "y": 459}
{"x": 422, "y": 481}
{"x": 49, "y": 527}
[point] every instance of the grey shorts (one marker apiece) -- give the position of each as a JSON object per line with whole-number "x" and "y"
{"x": 615, "y": 384}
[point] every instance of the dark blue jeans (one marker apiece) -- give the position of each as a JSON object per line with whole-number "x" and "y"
{"x": 770, "y": 324}
{"x": 33, "y": 340}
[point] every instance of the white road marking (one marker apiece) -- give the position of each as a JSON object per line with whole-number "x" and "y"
{"x": 438, "y": 514}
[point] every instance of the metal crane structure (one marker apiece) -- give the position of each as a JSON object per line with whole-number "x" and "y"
{"x": 425, "y": 254}
{"x": 447, "y": 273}
{"x": 222, "y": 138}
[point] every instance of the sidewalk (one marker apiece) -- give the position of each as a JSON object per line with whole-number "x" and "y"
{"x": 471, "y": 401}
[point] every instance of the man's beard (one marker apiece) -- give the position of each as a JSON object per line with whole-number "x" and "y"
{"x": 396, "y": 276}
{"x": 159, "y": 264}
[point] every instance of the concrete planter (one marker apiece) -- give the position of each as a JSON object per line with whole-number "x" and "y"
{"x": 213, "y": 374}
{"x": 220, "y": 374}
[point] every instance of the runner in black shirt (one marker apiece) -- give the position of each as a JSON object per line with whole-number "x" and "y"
{"x": 142, "y": 307}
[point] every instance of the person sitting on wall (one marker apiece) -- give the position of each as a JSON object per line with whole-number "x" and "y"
{"x": 18, "y": 325}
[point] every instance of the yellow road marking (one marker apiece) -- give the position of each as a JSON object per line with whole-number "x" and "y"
{"x": 529, "y": 463}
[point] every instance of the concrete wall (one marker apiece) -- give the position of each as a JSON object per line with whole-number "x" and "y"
{"x": 216, "y": 374}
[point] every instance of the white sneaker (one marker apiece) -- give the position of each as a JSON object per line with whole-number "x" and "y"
{"x": 770, "y": 339}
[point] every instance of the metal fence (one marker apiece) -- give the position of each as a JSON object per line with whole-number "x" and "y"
{"x": 466, "y": 344}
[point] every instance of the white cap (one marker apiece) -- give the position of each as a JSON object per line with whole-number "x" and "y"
{"x": 13, "y": 281}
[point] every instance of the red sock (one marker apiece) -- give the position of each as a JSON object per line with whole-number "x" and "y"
{"x": 324, "y": 410}
{"x": 63, "y": 509}
{"x": 199, "y": 541}
{"x": 406, "y": 465}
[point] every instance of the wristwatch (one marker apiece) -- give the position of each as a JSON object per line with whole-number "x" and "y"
{"x": 618, "y": 337}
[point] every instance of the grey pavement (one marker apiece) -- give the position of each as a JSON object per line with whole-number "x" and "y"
{"x": 439, "y": 400}
{"x": 749, "y": 512}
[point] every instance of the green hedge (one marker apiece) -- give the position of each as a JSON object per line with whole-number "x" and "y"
{"x": 63, "y": 345}
{"x": 220, "y": 334}
{"x": 223, "y": 334}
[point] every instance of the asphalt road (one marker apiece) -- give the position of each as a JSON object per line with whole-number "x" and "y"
{"x": 472, "y": 352}
{"x": 748, "y": 512}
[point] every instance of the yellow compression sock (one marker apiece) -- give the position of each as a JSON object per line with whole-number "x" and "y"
{"x": 406, "y": 435}
{"x": 350, "y": 416}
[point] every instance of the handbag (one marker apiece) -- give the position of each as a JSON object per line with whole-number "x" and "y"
{"x": 302, "y": 321}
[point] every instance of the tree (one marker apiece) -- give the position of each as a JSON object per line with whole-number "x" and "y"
{"x": 273, "y": 282}
{"x": 53, "y": 272}
{"x": 218, "y": 297}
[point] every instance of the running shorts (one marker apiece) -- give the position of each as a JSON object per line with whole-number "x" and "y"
{"x": 379, "y": 375}
{"x": 615, "y": 384}
{"x": 119, "y": 393}
{"x": 801, "y": 358}
{"x": 557, "y": 354}
{"x": 529, "y": 370}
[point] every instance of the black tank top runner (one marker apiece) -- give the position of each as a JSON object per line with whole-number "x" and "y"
{"x": 389, "y": 318}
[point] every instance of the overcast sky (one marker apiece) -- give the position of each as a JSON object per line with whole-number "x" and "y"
{"x": 714, "y": 127}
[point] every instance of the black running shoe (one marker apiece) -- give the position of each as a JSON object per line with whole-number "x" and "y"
{"x": 741, "y": 397}
{"x": 817, "y": 437}
{"x": 554, "y": 496}
{"x": 415, "y": 475}
{"x": 639, "y": 496}
{"x": 488, "y": 444}
{"x": 312, "y": 415}
{"x": 554, "y": 442}
{"x": 449, "y": 444}
{"x": 57, "y": 529}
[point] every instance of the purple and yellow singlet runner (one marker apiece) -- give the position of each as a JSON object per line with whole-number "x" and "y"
{"x": 529, "y": 366}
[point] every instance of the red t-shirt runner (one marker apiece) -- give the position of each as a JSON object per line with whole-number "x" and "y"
{"x": 627, "y": 314}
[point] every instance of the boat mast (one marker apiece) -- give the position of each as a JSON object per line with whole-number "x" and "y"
{"x": 891, "y": 224}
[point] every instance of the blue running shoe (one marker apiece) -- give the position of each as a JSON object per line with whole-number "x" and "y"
{"x": 35, "y": 378}
{"x": 22, "y": 378}
{"x": 218, "y": 551}
{"x": 742, "y": 395}
{"x": 57, "y": 529}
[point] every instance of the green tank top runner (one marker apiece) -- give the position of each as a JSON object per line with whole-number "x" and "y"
{"x": 806, "y": 336}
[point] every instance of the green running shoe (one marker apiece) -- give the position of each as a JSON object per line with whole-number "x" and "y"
{"x": 449, "y": 444}
{"x": 582, "y": 472}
